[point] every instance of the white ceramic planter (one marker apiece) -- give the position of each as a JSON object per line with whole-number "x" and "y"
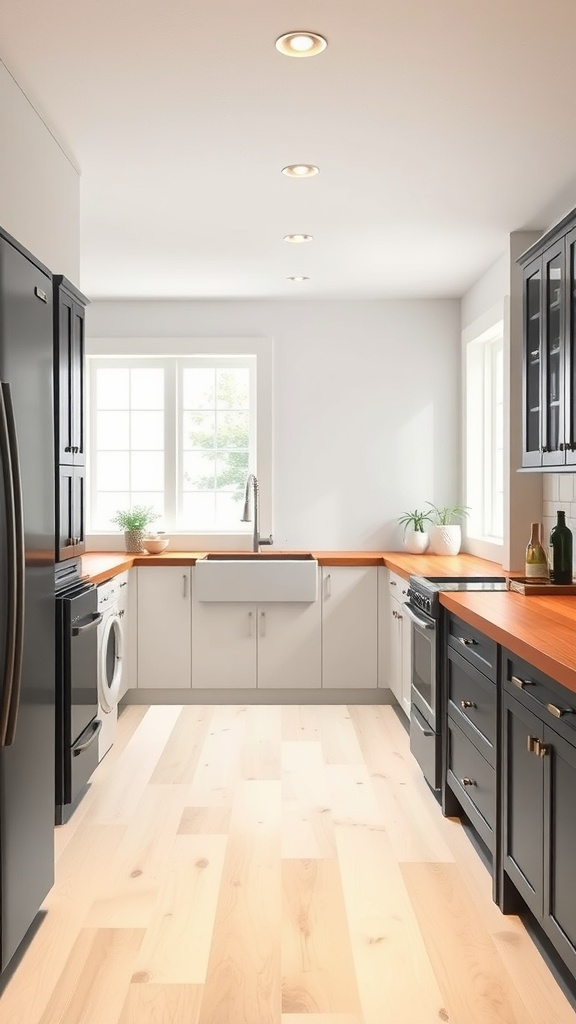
{"x": 415, "y": 541}
{"x": 445, "y": 540}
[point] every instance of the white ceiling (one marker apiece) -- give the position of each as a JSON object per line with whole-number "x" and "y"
{"x": 439, "y": 126}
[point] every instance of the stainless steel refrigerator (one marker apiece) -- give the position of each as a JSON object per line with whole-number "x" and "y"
{"x": 27, "y": 673}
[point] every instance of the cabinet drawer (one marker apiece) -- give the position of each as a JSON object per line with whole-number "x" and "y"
{"x": 472, "y": 704}
{"x": 397, "y": 586}
{"x": 546, "y": 698}
{"x": 473, "y": 781}
{"x": 477, "y": 649}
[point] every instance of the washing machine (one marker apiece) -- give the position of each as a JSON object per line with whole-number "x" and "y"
{"x": 110, "y": 649}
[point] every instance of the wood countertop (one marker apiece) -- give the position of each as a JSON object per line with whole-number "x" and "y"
{"x": 540, "y": 629}
{"x": 102, "y": 565}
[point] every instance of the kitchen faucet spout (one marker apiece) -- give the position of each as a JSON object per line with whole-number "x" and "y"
{"x": 253, "y": 490}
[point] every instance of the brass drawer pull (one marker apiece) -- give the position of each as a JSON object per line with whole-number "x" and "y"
{"x": 467, "y": 704}
{"x": 558, "y": 712}
{"x": 521, "y": 683}
{"x": 467, "y": 782}
{"x": 532, "y": 744}
{"x": 467, "y": 641}
{"x": 543, "y": 749}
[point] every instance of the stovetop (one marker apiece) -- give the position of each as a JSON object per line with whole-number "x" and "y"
{"x": 423, "y": 591}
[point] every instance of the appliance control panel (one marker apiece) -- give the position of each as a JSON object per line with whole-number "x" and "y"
{"x": 420, "y": 600}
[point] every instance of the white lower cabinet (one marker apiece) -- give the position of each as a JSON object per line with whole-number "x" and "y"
{"x": 349, "y": 627}
{"x": 269, "y": 646}
{"x": 399, "y": 641}
{"x": 164, "y": 627}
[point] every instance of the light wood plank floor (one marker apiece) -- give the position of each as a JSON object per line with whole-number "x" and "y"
{"x": 271, "y": 865}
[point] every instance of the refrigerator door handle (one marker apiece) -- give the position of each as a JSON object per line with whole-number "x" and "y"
{"x": 20, "y": 562}
{"x": 10, "y": 513}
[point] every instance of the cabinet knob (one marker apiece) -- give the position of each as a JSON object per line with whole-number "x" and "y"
{"x": 467, "y": 704}
{"x": 544, "y": 448}
{"x": 468, "y": 641}
{"x": 543, "y": 749}
{"x": 561, "y": 446}
{"x": 467, "y": 782}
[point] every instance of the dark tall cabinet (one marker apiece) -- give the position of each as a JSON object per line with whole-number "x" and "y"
{"x": 549, "y": 358}
{"x": 69, "y": 313}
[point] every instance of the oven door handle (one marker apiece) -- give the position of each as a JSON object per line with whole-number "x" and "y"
{"x": 423, "y": 623}
{"x": 95, "y": 621}
{"x": 94, "y": 729}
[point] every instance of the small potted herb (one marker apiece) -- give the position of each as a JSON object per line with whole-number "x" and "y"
{"x": 134, "y": 522}
{"x": 446, "y": 533}
{"x": 415, "y": 536}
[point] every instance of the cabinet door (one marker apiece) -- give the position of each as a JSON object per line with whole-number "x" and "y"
{"x": 127, "y": 608}
{"x": 223, "y": 645}
{"x": 532, "y": 374}
{"x": 69, "y": 512}
{"x": 164, "y": 631}
{"x": 559, "y": 764}
{"x": 523, "y": 802}
{"x": 552, "y": 364}
{"x": 395, "y": 648}
{"x": 289, "y": 646}
{"x": 69, "y": 378}
{"x": 406, "y": 662}
{"x": 570, "y": 351}
{"x": 350, "y": 627}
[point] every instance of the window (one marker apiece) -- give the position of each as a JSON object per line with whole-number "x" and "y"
{"x": 485, "y": 436}
{"x": 179, "y": 433}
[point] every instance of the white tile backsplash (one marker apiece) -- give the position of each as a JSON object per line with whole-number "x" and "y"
{"x": 551, "y": 486}
{"x": 559, "y": 492}
{"x": 565, "y": 487}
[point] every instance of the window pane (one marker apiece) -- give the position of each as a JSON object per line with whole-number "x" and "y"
{"x": 199, "y": 430}
{"x": 199, "y": 471}
{"x": 147, "y": 430}
{"x": 229, "y": 508}
{"x": 233, "y": 388}
{"x": 112, "y": 471}
{"x": 198, "y": 388}
{"x": 147, "y": 469}
{"x": 233, "y": 430}
{"x": 112, "y": 389}
{"x": 232, "y": 471}
{"x": 107, "y": 504}
{"x": 147, "y": 389}
{"x": 198, "y": 511}
{"x": 149, "y": 498}
{"x": 113, "y": 430}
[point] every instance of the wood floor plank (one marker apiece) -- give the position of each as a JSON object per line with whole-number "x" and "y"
{"x": 262, "y": 740}
{"x": 307, "y": 832}
{"x": 338, "y": 735}
{"x": 395, "y": 977}
{"x": 383, "y": 744}
{"x": 94, "y": 982}
{"x": 178, "y": 761}
{"x": 317, "y": 965}
{"x": 177, "y": 942}
{"x": 304, "y": 776}
{"x": 321, "y": 1018}
{"x": 128, "y": 890}
{"x": 162, "y": 1004}
{"x": 243, "y": 984}
{"x": 352, "y": 797}
{"x": 210, "y": 820}
{"x": 117, "y": 801}
{"x": 414, "y": 833}
{"x": 300, "y": 722}
{"x": 219, "y": 765}
{"x": 472, "y": 978}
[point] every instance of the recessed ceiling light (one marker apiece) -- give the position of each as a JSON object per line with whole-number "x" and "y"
{"x": 301, "y": 44}
{"x": 298, "y": 238}
{"x": 300, "y": 170}
{"x": 297, "y": 278}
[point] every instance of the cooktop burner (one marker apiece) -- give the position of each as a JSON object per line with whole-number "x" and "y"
{"x": 423, "y": 590}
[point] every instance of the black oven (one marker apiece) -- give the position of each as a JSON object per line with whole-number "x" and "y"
{"x": 424, "y": 610}
{"x": 77, "y": 724}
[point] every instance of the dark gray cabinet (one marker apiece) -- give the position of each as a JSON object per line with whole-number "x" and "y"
{"x": 69, "y": 419}
{"x": 549, "y": 367}
{"x": 539, "y": 801}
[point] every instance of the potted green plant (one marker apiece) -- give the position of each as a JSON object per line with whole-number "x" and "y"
{"x": 445, "y": 532}
{"x": 134, "y": 522}
{"x": 415, "y": 536}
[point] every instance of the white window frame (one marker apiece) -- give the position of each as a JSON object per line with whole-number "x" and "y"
{"x": 479, "y": 418}
{"x": 215, "y": 348}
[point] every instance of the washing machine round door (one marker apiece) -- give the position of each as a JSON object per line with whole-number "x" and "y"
{"x": 110, "y": 675}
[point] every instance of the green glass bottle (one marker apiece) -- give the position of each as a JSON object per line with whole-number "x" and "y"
{"x": 561, "y": 551}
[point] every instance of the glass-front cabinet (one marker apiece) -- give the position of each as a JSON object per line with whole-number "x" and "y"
{"x": 549, "y": 376}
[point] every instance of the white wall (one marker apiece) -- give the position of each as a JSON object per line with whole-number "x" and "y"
{"x": 39, "y": 185}
{"x": 366, "y": 405}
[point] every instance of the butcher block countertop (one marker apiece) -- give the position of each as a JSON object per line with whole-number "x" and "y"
{"x": 102, "y": 565}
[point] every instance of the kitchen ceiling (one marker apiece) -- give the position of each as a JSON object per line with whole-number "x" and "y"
{"x": 438, "y": 127}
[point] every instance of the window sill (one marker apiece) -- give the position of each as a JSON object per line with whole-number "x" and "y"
{"x": 178, "y": 541}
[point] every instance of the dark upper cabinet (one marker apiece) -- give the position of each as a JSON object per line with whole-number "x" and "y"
{"x": 549, "y": 367}
{"x": 69, "y": 425}
{"x": 69, "y": 311}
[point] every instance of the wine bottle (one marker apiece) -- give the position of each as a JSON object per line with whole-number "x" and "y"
{"x": 561, "y": 551}
{"x": 536, "y": 565}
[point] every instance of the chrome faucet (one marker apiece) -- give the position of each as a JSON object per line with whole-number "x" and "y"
{"x": 247, "y": 517}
